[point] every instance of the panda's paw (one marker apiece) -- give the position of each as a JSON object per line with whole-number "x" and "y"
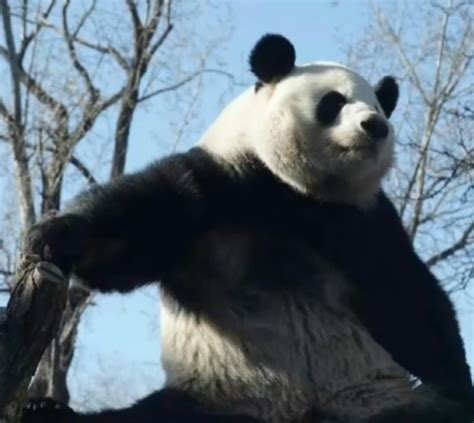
{"x": 47, "y": 410}
{"x": 60, "y": 240}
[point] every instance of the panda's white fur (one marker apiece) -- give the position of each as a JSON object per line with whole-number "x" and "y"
{"x": 278, "y": 124}
{"x": 353, "y": 377}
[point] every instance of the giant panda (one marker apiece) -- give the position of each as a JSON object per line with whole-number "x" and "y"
{"x": 290, "y": 290}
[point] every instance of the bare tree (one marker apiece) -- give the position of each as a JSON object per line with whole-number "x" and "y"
{"x": 430, "y": 48}
{"x": 72, "y": 65}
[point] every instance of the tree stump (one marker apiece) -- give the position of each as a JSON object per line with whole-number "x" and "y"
{"x": 27, "y": 326}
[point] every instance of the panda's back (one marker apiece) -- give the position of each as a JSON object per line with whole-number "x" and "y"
{"x": 265, "y": 328}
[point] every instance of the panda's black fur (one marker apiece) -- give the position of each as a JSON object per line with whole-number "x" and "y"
{"x": 272, "y": 57}
{"x": 387, "y": 94}
{"x": 189, "y": 219}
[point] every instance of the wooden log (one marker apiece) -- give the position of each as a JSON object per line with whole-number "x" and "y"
{"x": 27, "y": 326}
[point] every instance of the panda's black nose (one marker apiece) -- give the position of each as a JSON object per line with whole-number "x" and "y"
{"x": 375, "y": 126}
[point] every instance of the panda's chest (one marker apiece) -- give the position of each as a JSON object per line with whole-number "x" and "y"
{"x": 249, "y": 279}
{"x": 248, "y": 268}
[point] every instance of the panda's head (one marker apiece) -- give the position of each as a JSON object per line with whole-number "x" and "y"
{"x": 321, "y": 127}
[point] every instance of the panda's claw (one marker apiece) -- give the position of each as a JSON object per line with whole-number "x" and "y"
{"x": 60, "y": 240}
{"x": 47, "y": 410}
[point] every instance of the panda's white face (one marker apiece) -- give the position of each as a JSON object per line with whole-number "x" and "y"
{"x": 323, "y": 131}
{"x": 321, "y": 128}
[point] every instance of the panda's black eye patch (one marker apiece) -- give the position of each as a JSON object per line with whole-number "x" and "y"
{"x": 329, "y": 107}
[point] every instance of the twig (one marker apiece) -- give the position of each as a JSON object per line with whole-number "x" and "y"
{"x": 81, "y": 167}
{"x": 189, "y": 79}
{"x": 453, "y": 249}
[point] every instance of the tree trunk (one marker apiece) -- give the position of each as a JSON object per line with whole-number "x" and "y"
{"x": 30, "y": 321}
{"x": 51, "y": 376}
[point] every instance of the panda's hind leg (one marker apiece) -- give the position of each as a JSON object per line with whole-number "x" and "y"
{"x": 439, "y": 411}
{"x": 425, "y": 416}
{"x": 165, "y": 406}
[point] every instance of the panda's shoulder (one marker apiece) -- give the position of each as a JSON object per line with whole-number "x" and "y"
{"x": 244, "y": 190}
{"x": 245, "y": 178}
{"x": 192, "y": 171}
{"x": 200, "y": 175}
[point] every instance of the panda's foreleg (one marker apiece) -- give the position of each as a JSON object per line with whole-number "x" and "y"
{"x": 408, "y": 312}
{"x": 165, "y": 406}
{"x": 398, "y": 299}
{"x": 126, "y": 233}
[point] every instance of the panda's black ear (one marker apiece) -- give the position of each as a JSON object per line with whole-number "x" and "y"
{"x": 386, "y": 91}
{"x": 272, "y": 57}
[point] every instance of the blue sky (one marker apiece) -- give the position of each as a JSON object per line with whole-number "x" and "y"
{"x": 118, "y": 354}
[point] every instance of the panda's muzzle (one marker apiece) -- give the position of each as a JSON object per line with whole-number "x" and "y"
{"x": 375, "y": 126}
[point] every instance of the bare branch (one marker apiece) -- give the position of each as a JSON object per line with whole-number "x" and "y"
{"x": 417, "y": 173}
{"x": 121, "y": 61}
{"x": 402, "y": 54}
{"x": 15, "y": 124}
{"x": 38, "y": 91}
{"x": 84, "y": 19}
{"x": 76, "y": 162}
{"x": 6, "y": 114}
{"x": 142, "y": 56}
{"x": 69, "y": 38}
{"x": 186, "y": 117}
{"x": 453, "y": 249}
{"x": 137, "y": 25}
{"x": 162, "y": 39}
{"x": 460, "y": 62}
{"x": 40, "y": 23}
{"x": 421, "y": 168}
{"x": 105, "y": 50}
{"x": 24, "y": 14}
{"x": 442, "y": 40}
{"x": 187, "y": 80}
{"x": 13, "y": 60}
{"x": 81, "y": 167}
{"x": 91, "y": 115}
{"x": 153, "y": 22}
